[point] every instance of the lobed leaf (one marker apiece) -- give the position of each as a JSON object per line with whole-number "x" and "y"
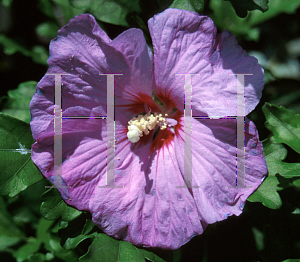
{"x": 224, "y": 16}
{"x": 72, "y": 243}
{"x": 76, "y": 231}
{"x": 242, "y": 7}
{"x": 275, "y": 154}
{"x": 284, "y": 124}
{"x": 276, "y": 7}
{"x": 54, "y": 207}
{"x": 267, "y": 192}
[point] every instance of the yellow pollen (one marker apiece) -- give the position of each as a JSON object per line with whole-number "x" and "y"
{"x": 143, "y": 124}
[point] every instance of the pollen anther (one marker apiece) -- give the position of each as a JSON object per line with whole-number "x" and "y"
{"x": 143, "y": 124}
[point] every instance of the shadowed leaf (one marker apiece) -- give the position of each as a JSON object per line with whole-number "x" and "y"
{"x": 54, "y": 207}
{"x": 284, "y": 124}
{"x": 242, "y": 7}
{"x": 17, "y": 169}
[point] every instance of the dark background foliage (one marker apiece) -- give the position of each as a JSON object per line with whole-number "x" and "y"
{"x": 46, "y": 229}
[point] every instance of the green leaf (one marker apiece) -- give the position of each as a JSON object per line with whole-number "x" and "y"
{"x": 33, "y": 244}
{"x": 296, "y": 211}
{"x": 72, "y": 243}
{"x": 66, "y": 10}
{"x": 74, "y": 232}
{"x": 296, "y": 182}
{"x": 284, "y": 124}
{"x": 37, "y": 257}
{"x": 18, "y": 101}
{"x": 225, "y": 18}
{"x": 47, "y": 30}
{"x": 190, "y": 5}
{"x": 17, "y": 169}
{"x": 242, "y": 7}
{"x": 276, "y": 7}
{"x": 43, "y": 228}
{"x": 6, "y": 3}
{"x": 54, "y": 207}
{"x": 52, "y": 244}
{"x": 10, "y": 234}
{"x": 151, "y": 256}
{"x": 267, "y": 192}
{"x": 38, "y": 53}
{"x": 274, "y": 154}
{"x": 31, "y": 247}
{"x": 114, "y": 11}
{"x": 88, "y": 227}
{"x": 23, "y": 215}
{"x": 107, "y": 249}
{"x": 10, "y": 46}
{"x": 46, "y": 7}
{"x": 259, "y": 238}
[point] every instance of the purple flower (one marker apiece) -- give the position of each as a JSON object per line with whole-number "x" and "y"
{"x": 152, "y": 208}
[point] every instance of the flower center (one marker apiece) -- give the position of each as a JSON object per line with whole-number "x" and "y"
{"x": 143, "y": 124}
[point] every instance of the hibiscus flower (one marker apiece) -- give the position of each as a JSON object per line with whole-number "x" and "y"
{"x": 150, "y": 204}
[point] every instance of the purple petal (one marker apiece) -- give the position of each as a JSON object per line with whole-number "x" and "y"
{"x": 215, "y": 89}
{"x": 149, "y": 210}
{"x": 214, "y": 166}
{"x": 139, "y": 65}
{"x": 181, "y": 42}
{"x": 83, "y": 50}
{"x": 82, "y": 142}
{"x": 186, "y": 43}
